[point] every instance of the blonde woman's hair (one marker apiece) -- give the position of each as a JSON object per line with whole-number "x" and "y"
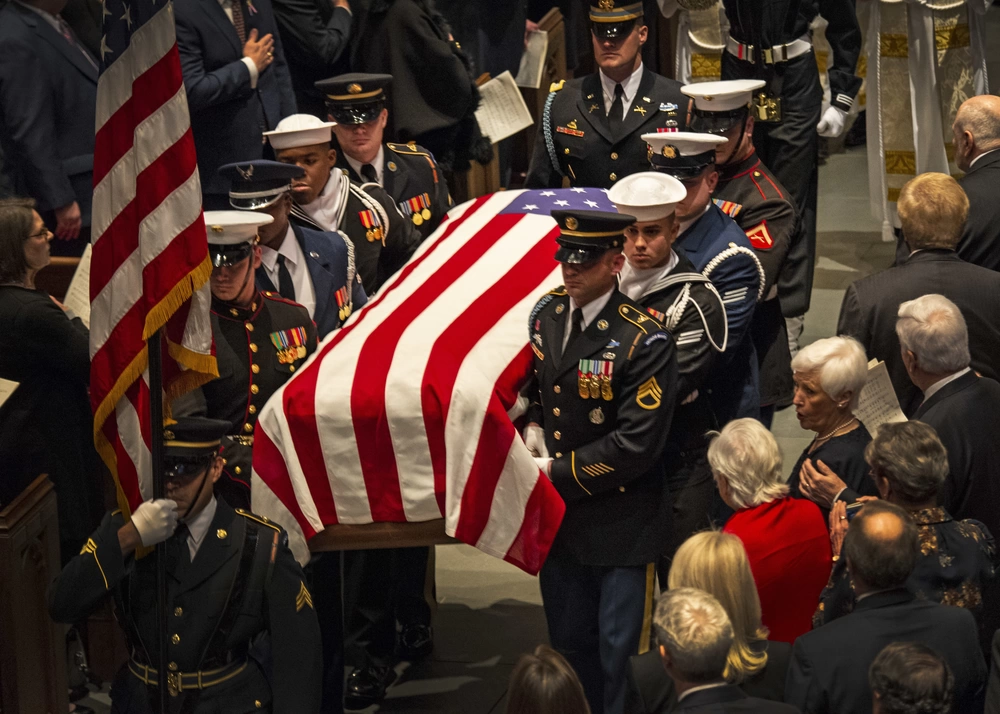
{"x": 932, "y": 210}
{"x": 717, "y": 563}
{"x": 747, "y": 456}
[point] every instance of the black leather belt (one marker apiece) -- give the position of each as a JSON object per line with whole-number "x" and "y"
{"x": 178, "y": 682}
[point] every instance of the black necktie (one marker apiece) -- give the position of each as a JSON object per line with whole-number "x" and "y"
{"x": 178, "y": 553}
{"x": 575, "y": 329}
{"x": 617, "y": 109}
{"x": 369, "y": 173}
{"x": 286, "y": 288}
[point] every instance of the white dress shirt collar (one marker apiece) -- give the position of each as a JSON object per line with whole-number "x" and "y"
{"x": 701, "y": 688}
{"x": 378, "y": 162}
{"x": 985, "y": 153}
{"x": 936, "y": 387}
{"x": 630, "y": 87}
{"x": 198, "y": 527}
{"x": 590, "y": 312}
{"x": 295, "y": 261}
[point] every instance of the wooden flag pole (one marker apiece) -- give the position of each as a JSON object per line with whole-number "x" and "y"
{"x": 154, "y": 350}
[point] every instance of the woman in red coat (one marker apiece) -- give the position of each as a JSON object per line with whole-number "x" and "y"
{"x": 785, "y": 538}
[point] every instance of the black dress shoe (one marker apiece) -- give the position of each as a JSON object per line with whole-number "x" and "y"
{"x": 366, "y": 686}
{"x": 416, "y": 642}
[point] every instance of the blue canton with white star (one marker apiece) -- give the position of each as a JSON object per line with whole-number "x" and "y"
{"x": 122, "y": 19}
{"x": 543, "y": 203}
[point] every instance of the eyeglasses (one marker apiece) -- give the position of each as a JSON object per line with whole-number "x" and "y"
{"x": 44, "y": 234}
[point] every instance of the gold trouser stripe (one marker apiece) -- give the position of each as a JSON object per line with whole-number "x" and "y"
{"x": 647, "y": 611}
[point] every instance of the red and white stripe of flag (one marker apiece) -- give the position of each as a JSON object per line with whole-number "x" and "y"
{"x": 403, "y": 414}
{"x": 150, "y": 264}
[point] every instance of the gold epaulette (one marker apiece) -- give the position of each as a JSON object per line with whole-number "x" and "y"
{"x": 259, "y": 519}
{"x": 556, "y": 86}
{"x": 640, "y": 319}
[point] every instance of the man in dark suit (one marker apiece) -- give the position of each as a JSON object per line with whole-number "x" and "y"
{"x": 48, "y": 99}
{"x": 311, "y": 267}
{"x": 227, "y": 49}
{"x": 907, "y": 672}
{"x": 316, "y": 34}
{"x": 828, "y": 673}
{"x": 977, "y": 152}
{"x": 590, "y": 128}
{"x": 694, "y": 635}
{"x": 932, "y": 210}
{"x": 601, "y": 407}
{"x": 964, "y": 409}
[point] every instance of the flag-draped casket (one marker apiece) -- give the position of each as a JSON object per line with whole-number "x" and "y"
{"x": 405, "y": 414}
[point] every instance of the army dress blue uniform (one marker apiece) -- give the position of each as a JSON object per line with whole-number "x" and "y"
{"x": 240, "y": 597}
{"x": 578, "y": 138}
{"x": 604, "y": 402}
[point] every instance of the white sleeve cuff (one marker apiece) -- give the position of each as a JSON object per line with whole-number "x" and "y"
{"x": 837, "y": 497}
{"x": 253, "y": 72}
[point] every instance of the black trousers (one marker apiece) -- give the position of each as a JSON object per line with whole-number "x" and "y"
{"x": 691, "y": 489}
{"x": 382, "y": 587}
{"x": 324, "y": 575}
{"x": 790, "y": 149}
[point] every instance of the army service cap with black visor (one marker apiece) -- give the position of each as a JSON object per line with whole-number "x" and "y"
{"x": 611, "y": 20}
{"x": 355, "y": 98}
{"x": 584, "y": 236}
{"x": 232, "y": 235}
{"x": 189, "y": 446}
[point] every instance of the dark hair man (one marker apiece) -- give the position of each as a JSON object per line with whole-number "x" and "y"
{"x": 910, "y": 678}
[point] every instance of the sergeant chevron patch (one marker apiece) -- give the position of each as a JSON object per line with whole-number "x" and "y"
{"x": 649, "y": 394}
{"x": 303, "y": 598}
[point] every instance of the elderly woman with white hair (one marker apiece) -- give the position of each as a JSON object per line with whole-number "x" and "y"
{"x": 829, "y": 375}
{"x": 785, "y": 538}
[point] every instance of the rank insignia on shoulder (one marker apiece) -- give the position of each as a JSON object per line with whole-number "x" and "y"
{"x": 649, "y": 394}
{"x": 594, "y": 379}
{"x": 373, "y": 223}
{"x": 343, "y": 303}
{"x": 730, "y": 208}
{"x": 418, "y": 208}
{"x": 760, "y": 237}
{"x": 303, "y": 598}
{"x": 290, "y": 344}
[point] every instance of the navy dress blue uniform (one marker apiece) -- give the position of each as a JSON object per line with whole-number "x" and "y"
{"x": 241, "y": 595}
{"x": 753, "y": 197}
{"x": 409, "y": 172}
{"x": 228, "y": 115}
{"x": 48, "y": 100}
{"x": 605, "y": 403}
{"x": 575, "y": 137}
{"x": 760, "y": 47}
{"x": 718, "y": 249}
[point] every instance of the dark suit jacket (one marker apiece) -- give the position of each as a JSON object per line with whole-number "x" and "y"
{"x": 723, "y": 700}
{"x": 331, "y": 268}
{"x": 86, "y": 18}
{"x": 829, "y": 669}
{"x": 980, "y": 242}
{"x": 993, "y": 689}
{"x": 870, "y": 306}
{"x": 228, "y": 116}
{"x": 46, "y": 426}
{"x": 315, "y": 35}
{"x": 651, "y": 690}
{"x": 48, "y": 99}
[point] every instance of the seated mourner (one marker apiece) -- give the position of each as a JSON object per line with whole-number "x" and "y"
{"x": 233, "y": 590}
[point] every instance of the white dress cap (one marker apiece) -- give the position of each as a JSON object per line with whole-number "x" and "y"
{"x": 649, "y": 196}
{"x": 685, "y": 143}
{"x": 299, "y": 130}
{"x": 722, "y": 96}
{"x": 233, "y": 227}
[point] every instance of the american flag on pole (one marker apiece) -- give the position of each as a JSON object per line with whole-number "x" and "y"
{"x": 150, "y": 264}
{"x": 405, "y": 414}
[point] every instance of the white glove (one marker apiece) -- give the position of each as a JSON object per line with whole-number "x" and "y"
{"x": 155, "y": 520}
{"x": 832, "y": 123}
{"x": 534, "y": 439}
{"x": 543, "y": 466}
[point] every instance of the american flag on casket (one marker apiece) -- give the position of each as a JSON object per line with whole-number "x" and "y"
{"x": 405, "y": 414}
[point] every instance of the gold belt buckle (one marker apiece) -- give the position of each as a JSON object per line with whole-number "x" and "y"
{"x": 173, "y": 683}
{"x": 767, "y": 109}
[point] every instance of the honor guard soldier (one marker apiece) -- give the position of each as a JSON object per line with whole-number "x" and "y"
{"x": 590, "y": 126}
{"x": 241, "y": 626}
{"x": 685, "y": 301}
{"x": 311, "y": 267}
{"x": 260, "y": 340}
{"x": 407, "y": 172}
{"x": 325, "y": 199}
{"x": 772, "y": 41}
{"x": 751, "y": 195}
{"x": 717, "y": 248}
{"x": 601, "y": 406}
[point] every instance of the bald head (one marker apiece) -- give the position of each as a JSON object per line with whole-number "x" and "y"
{"x": 976, "y": 129}
{"x": 881, "y": 547}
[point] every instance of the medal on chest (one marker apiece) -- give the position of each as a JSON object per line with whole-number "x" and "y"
{"x": 418, "y": 208}
{"x": 373, "y": 223}
{"x": 289, "y": 344}
{"x": 594, "y": 379}
{"x": 343, "y": 303}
